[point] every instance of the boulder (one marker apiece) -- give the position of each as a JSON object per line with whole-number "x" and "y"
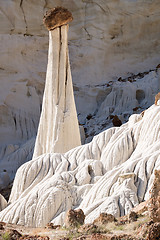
{"x": 104, "y": 218}
{"x": 74, "y": 218}
{"x": 141, "y": 208}
{"x": 116, "y": 121}
{"x": 57, "y": 17}
{"x": 132, "y": 216}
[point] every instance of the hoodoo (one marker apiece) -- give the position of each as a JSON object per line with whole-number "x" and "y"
{"x": 58, "y": 127}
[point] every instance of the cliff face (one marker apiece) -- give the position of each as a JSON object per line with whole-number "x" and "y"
{"x": 113, "y": 37}
{"x": 108, "y": 40}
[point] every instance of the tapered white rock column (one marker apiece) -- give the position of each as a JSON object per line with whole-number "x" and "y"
{"x": 58, "y": 127}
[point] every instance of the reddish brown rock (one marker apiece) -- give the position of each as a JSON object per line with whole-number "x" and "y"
{"x": 104, "y": 218}
{"x": 74, "y": 218}
{"x": 154, "y": 202}
{"x": 52, "y": 226}
{"x": 153, "y": 232}
{"x": 116, "y": 121}
{"x": 57, "y": 17}
{"x": 142, "y": 230}
{"x": 132, "y": 216}
{"x": 135, "y": 109}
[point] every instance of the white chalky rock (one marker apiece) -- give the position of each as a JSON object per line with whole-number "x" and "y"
{"x": 3, "y": 202}
{"x": 111, "y": 174}
{"x": 58, "y": 128}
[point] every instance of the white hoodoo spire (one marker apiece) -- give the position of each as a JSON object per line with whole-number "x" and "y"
{"x": 58, "y": 127}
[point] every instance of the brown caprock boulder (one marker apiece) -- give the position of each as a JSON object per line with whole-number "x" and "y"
{"x": 57, "y": 17}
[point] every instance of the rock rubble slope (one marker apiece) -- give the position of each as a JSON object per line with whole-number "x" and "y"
{"x": 111, "y": 174}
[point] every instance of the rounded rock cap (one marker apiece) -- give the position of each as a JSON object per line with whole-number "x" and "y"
{"x": 57, "y": 17}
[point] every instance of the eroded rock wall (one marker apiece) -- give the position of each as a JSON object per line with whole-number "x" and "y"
{"x": 112, "y": 174}
{"x": 107, "y": 40}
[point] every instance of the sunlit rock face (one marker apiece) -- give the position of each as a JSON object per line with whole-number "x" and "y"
{"x": 58, "y": 130}
{"x": 107, "y": 40}
{"x": 112, "y": 174}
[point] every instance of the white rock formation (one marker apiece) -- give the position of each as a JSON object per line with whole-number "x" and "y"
{"x": 111, "y": 174}
{"x": 58, "y": 127}
{"x": 107, "y": 40}
{"x": 3, "y": 202}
